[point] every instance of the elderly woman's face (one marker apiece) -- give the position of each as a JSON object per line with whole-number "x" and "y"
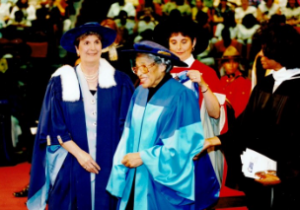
{"x": 89, "y": 48}
{"x": 180, "y": 45}
{"x": 155, "y": 73}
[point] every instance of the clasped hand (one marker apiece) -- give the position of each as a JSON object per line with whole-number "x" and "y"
{"x": 132, "y": 160}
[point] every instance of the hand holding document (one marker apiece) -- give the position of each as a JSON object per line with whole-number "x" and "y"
{"x": 254, "y": 162}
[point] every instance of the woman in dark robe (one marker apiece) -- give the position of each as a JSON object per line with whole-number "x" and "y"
{"x": 270, "y": 125}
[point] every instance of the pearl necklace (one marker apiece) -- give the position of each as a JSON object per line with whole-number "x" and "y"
{"x": 90, "y": 77}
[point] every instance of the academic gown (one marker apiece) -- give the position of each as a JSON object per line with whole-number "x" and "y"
{"x": 269, "y": 125}
{"x": 167, "y": 133}
{"x": 56, "y": 175}
{"x": 212, "y": 127}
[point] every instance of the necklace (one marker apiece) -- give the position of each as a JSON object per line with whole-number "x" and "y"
{"x": 90, "y": 77}
{"x": 93, "y": 77}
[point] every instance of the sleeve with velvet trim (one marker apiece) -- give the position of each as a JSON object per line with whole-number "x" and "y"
{"x": 52, "y": 127}
{"x": 59, "y": 130}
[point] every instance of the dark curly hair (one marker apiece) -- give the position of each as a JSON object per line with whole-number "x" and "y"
{"x": 281, "y": 43}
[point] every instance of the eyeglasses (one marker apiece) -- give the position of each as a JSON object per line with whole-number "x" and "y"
{"x": 144, "y": 69}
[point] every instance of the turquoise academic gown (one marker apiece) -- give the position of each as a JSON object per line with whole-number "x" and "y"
{"x": 167, "y": 133}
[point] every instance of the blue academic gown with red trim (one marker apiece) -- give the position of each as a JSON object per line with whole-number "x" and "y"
{"x": 71, "y": 188}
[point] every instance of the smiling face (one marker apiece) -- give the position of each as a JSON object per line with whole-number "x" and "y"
{"x": 89, "y": 48}
{"x": 182, "y": 46}
{"x": 155, "y": 72}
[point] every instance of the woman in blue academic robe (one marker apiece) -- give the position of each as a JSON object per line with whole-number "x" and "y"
{"x": 153, "y": 165}
{"x": 80, "y": 126}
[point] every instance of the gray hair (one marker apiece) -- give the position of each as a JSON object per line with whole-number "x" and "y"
{"x": 161, "y": 60}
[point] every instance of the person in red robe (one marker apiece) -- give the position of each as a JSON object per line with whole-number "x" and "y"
{"x": 236, "y": 87}
{"x": 182, "y": 41}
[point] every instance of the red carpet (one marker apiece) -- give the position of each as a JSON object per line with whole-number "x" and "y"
{"x": 15, "y": 178}
{"x": 12, "y": 179}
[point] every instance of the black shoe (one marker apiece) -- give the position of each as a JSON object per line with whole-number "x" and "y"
{"x": 22, "y": 193}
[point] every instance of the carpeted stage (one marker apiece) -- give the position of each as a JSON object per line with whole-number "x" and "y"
{"x": 12, "y": 179}
{"x": 15, "y": 178}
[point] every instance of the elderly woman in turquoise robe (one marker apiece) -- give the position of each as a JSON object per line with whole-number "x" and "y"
{"x": 80, "y": 125}
{"x": 153, "y": 165}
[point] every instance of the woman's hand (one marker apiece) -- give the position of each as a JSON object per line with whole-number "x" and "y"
{"x": 211, "y": 101}
{"x": 210, "y": 142}
{"x": 87, "y": 162}
{"x": 267, "y": 179}
{"x": 132, "y": 160}
{"x": 195, "y": 76}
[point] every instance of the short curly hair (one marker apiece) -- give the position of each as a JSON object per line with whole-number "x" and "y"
{"x": 282, "y": 44}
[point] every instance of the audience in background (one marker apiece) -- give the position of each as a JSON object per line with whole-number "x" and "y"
{"x": 245, "y": 9}
{"x": 228, "y": 22}
{"x": 200, "y": 7}
{"x": 220, "y": 11}
{"x": 27, "y": 9}
{"x": 236, "y": 86}
{"x": 168, "y": 7}
{"x": 247, "y": 28}
{"x": 115, "y": 9}
{"x": 226, "y": 41}
{"x": 125, "y": 23}
{"x": 292, "y": 13}
{"x": 183, "y": 7}
{"x": 266, "y": 9}
{"x": 4, "y": 11}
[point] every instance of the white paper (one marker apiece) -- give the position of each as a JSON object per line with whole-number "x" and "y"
{"x": 254, "y": 162}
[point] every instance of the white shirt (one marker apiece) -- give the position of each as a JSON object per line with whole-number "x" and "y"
{"x": 218, "y": 33}
{"x": 143, "y": 26}
{"x": 190, "y": 60}
{"x": 289, "y": 12}
{"x": 240, "y": 12}
{"x": 4, "y": 10}
{"x": 30, "y": 10}
{"x": 129, "y": 25}
{"x": 271, "y": 11}
{"x": 115, "y": 9}
{"x": 245, "y": 33}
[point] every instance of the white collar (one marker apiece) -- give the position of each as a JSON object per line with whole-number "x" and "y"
{"x": 69, "y": 80}
{"x": 283, "y": 74}
{"x": 190, "y": 60}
